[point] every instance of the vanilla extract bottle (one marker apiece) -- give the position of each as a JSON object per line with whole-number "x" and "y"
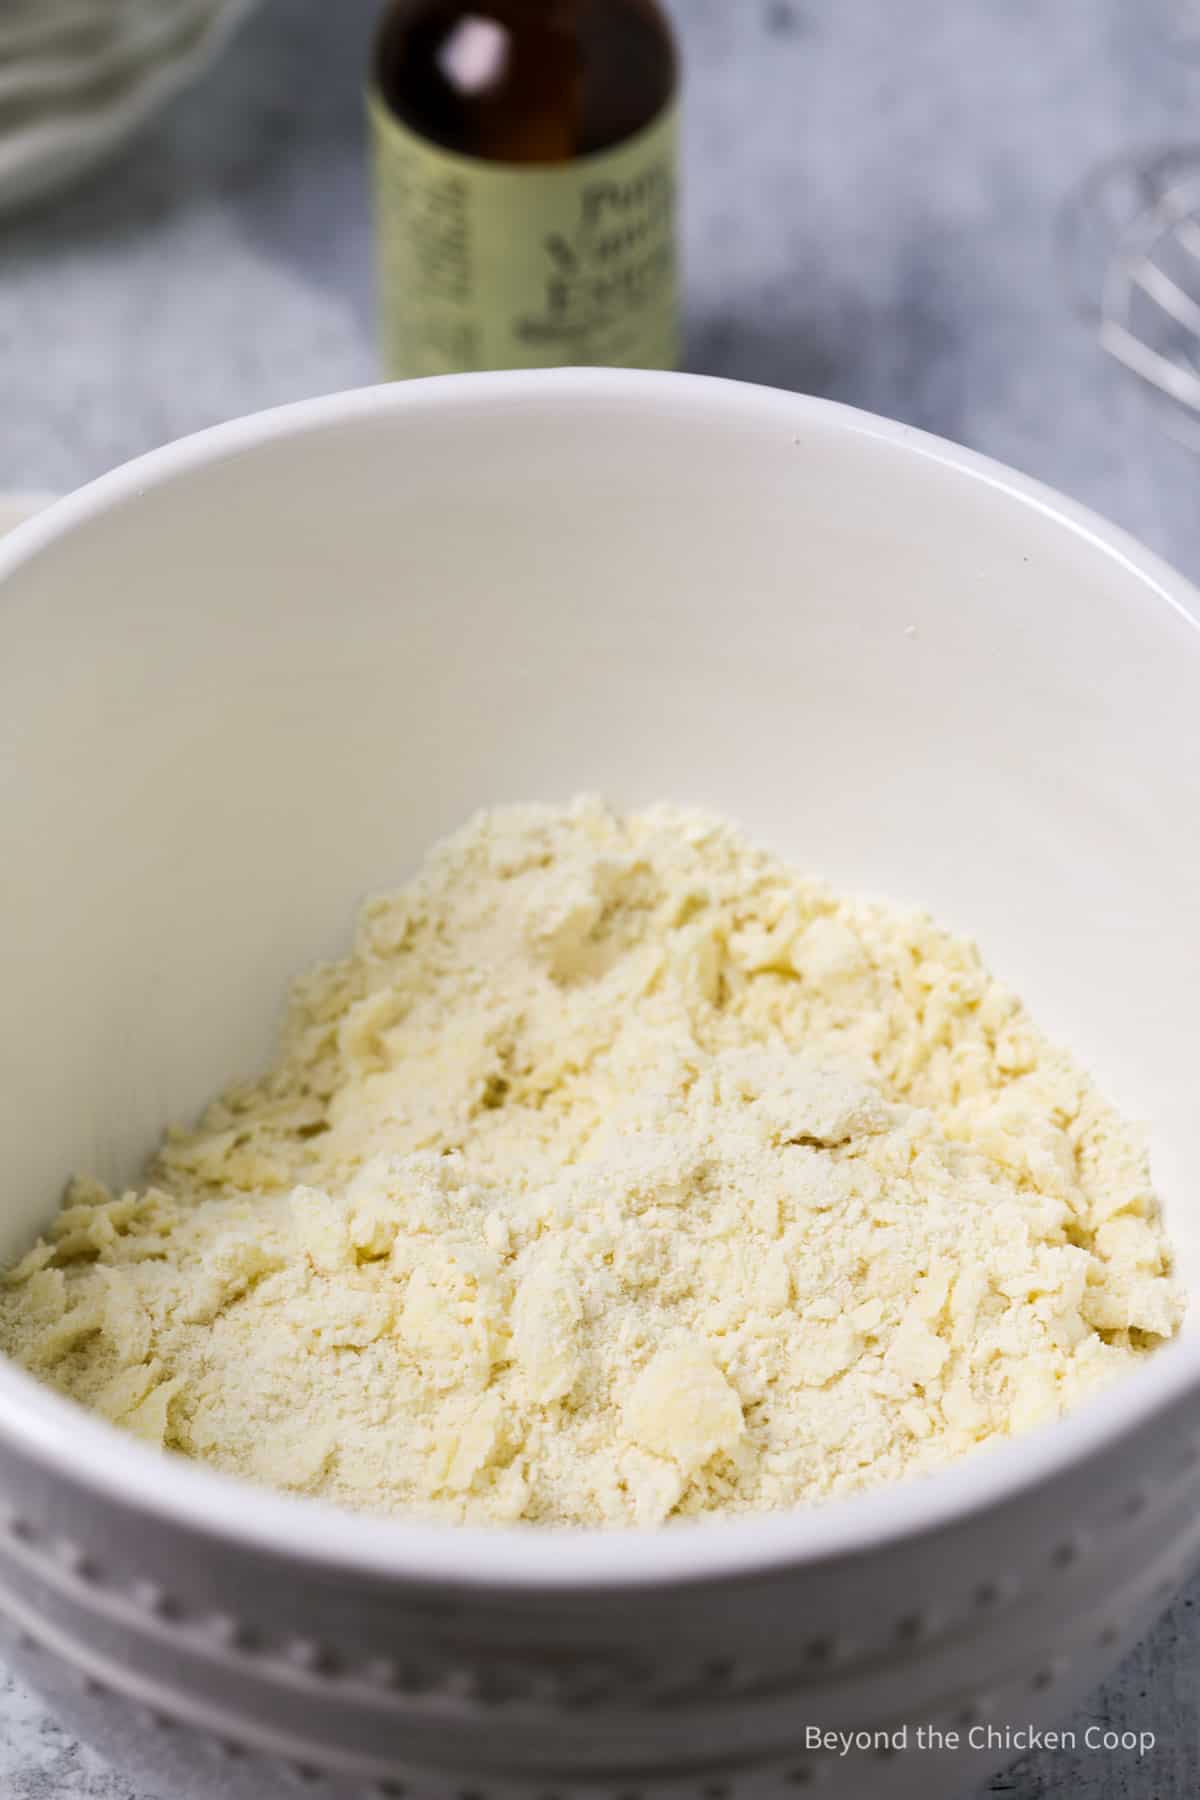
{"x": 525, "y": 184}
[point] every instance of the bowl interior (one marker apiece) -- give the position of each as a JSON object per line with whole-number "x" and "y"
{"x": 250, "y": 681}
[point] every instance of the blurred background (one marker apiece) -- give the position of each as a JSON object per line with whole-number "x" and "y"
{"x": 873, "y": 211}
{"x": 872, "y": 198}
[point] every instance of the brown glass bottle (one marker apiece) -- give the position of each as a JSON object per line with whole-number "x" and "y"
{"x": 525, "y": 183}
{"x": 557, "y": 79}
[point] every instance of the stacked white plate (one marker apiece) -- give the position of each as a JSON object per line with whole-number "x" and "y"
{"x": 78, "y": 76}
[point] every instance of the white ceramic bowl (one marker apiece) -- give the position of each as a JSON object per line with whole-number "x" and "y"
{"x": 16, "y": 507}
{"x": 250, "y": 678}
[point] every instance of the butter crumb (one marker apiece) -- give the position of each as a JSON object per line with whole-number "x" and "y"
{"x": 619, "y": 1175}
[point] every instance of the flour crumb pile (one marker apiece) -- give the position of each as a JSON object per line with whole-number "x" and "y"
{"x": 619, "y": 1175}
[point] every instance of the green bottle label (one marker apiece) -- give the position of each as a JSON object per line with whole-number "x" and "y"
{"x": 488, "y": 265}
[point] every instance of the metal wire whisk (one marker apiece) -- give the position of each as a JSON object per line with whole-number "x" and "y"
{"x": 1129, "y": 240}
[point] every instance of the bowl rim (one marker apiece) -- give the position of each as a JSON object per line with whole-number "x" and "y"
{"x": 86, "y": 1451}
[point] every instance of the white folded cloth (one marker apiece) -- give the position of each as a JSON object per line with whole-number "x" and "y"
{"x": 78, "y": 76}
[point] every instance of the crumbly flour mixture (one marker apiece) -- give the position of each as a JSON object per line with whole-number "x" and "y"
{"x": 620, "y": 1174}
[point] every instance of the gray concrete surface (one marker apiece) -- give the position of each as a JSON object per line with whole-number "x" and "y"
{"x": 870, "y": 198}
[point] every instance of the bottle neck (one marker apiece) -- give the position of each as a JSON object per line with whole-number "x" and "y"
{"x": 526, "y": 81}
